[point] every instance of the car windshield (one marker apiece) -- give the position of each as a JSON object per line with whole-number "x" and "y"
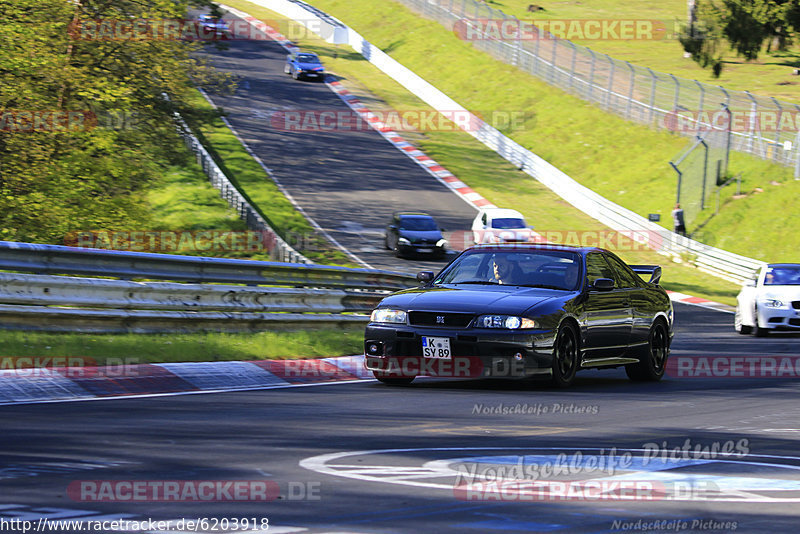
{"x": 550, "y": 269}
{"x": 307, "y": 58}
{"x": 507, "y": 223}
{"x": 420, "y": 224}
{"x": 788, "y": 275}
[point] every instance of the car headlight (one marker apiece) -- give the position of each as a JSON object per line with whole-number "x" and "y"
{"x": 388, "y": 315}
{"x": 773, "y": 303}
{"x": 442, "y": 243}
{"x": 403, "y": 241}
{"x": 511, "y": 322}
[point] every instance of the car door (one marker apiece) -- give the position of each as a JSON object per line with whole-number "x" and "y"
{"x": 643, "y": 303}
{"x": 607, "y": 313}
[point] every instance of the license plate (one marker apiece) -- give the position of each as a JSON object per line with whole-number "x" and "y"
{"x": 436, "y": 347}
{"x": 424, "y": 250}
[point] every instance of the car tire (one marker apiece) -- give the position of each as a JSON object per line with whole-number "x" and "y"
{"x": 757, "y": 330}
{"x": 566, "y": 356}
{"x": 295, "y": 75}
{"x": 743, "y": 329}
{"x": 393, "y": 380}
{"x": 286, "y": 69}
{"x": 386, "y": 243}
{"x": 653, "y": 360}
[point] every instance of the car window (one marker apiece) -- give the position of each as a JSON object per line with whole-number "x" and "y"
{"x": 550, "y": 269}
{"x": 507, "y": 223}
{"x": 624, "y": 276}
{"x": 597, "y": 267}
{"x": 420, "y": 224}
{"x": 307, "y": 58}
{"x": 782, "y": 276}
{"x": 469, "y": 268}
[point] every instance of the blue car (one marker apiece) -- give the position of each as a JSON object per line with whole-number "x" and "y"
{"x": 304, "y": 65}
{"x": 210, "y": 23}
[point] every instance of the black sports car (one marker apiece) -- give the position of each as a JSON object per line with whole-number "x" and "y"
{"x": 523, "y": 310}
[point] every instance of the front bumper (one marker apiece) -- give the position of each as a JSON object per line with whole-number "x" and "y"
{"x": 310, "y": 73}
{"x": 784, "y": 318}
{"x": 396, "y": 350}
{"x": 421, "y": 249}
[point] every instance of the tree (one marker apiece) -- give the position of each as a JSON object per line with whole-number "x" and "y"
{"x": 87, "y": 171}
{"x": 745, "y": 24}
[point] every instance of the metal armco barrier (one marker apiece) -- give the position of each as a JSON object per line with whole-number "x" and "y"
{"x": 317, "y": 296}
{"x": 57, "y": 259}
{"x": 718, "y": 262}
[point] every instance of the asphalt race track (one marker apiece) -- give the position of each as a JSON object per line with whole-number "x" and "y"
{"x": 415, "y": 433}
{"x": 348, "y": 180}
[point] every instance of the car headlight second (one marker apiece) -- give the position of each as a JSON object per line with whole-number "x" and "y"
{"x": 403, "y": 241}
{"x": 773, "y": 303}
{"x": 442, "y": 243}
{"x": 510, "y": 322}
{"x": 388, "y": 315}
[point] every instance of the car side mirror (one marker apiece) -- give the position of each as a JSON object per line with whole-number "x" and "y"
{"x": 603, "y": 284}
{"x": 424, "y": 277}
{"x": 392, "y": 227}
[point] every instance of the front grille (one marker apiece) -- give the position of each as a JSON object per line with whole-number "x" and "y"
{"x": 454, "y": 320}
{"x": 796, "y": 304}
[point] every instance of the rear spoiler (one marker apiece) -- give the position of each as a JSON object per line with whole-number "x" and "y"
{"x": 653, "y": 271}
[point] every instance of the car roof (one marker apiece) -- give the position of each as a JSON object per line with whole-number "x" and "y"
{"x": 501, "y": 212}
{"x": 783, "y": 265}
{"x": 417, "y": 214}
{"x": 531, "y": 247}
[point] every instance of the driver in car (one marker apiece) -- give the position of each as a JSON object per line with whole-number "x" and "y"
{"x": 503, "y": 270}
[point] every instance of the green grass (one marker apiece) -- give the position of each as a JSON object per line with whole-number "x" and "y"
{"x": 139, "y": 348}
{"x": 262, "y": 192}
{"x": 769, "y": 75}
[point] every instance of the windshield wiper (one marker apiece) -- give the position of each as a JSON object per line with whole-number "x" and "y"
{"x": 486, "y": 282}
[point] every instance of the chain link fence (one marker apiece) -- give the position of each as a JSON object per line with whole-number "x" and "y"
{"x": 764, "y": 127}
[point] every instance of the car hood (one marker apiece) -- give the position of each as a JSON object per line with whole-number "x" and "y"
{"x": 511, "y": 300}
{"x": 309, "y": 66}
{"x": 783, "y": 292}
{"x": 421, "y": 234}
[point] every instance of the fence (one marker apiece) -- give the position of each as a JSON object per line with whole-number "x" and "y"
{"x": 299, "y": 296}
{"x": 764, "y": 127}
{"x": 698, "y": 168}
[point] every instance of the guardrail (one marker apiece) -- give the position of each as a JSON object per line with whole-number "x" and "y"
{"x": 217, "y": 293}
{"x": 57, "y": 259}
{"x": 718, "y": 262}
